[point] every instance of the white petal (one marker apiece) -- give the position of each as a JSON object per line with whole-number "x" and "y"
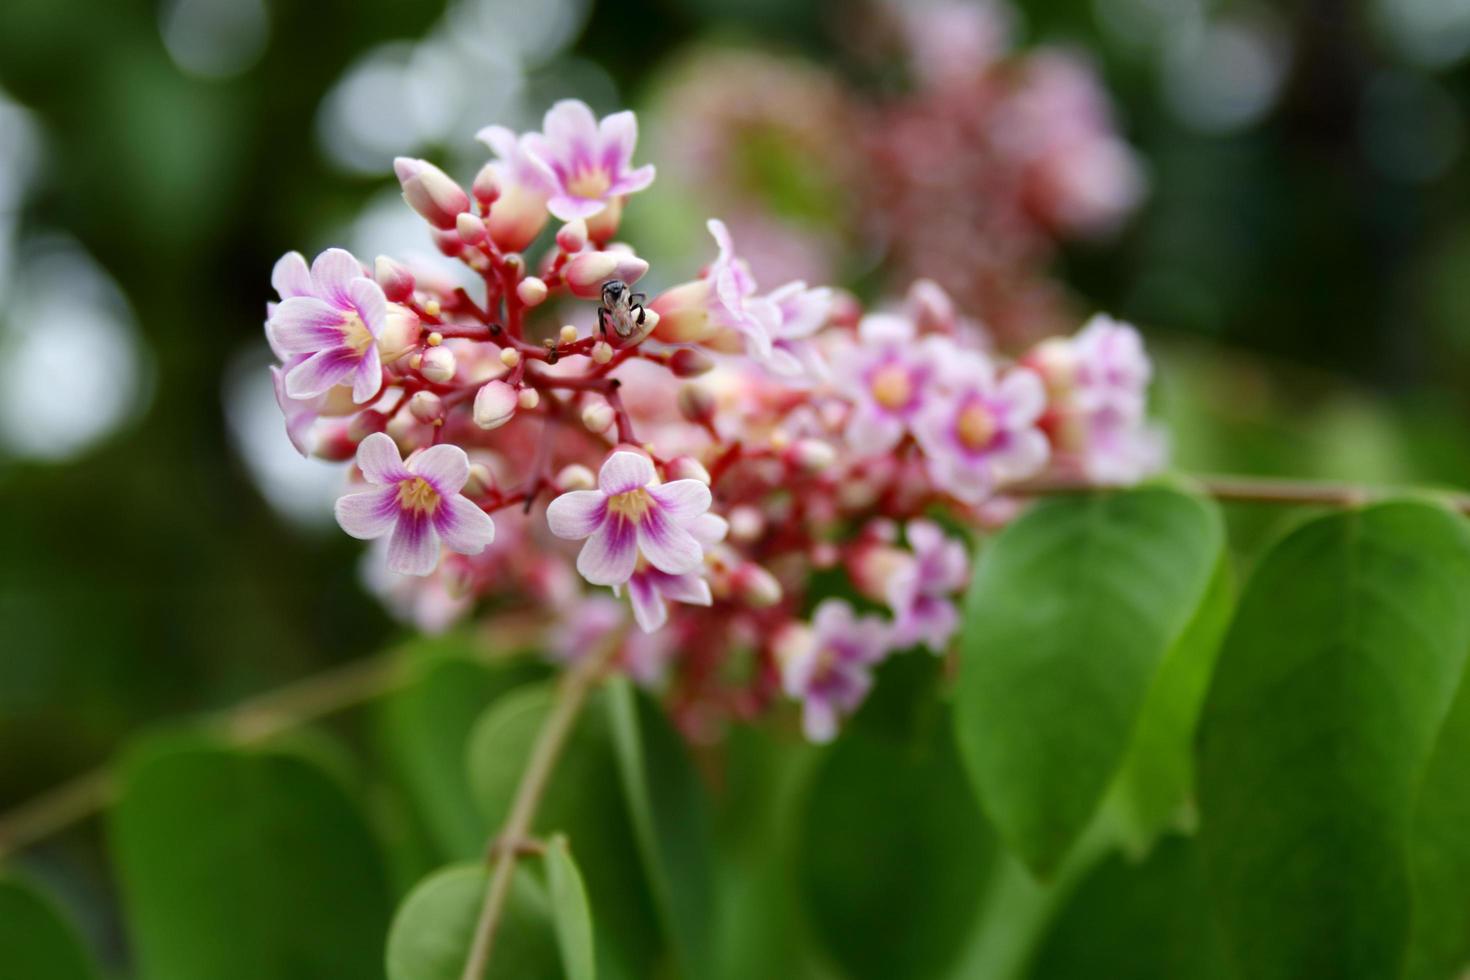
{"x": 379, "y": 460}
{"x": 330, "y": 274}
{"x": 414, "y": 547}
{"x": 464, "y": 527}
{"x": 624, "y": 471}
{"x": 682, "y": 500}
{"x": 291, "y": 277}
{"x": 576, "y": 514}
{"x": 609, "y": 556}
{"x": 369, "y": 514}
{"x": 445, "y": 466}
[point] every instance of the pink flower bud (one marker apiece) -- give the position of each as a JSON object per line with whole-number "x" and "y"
{"x": 687, "y": 468}
{"x": 696, "y": 403}
{"x": 470, "y": 228}
{"x": 401, "y": 332}
{"x": 426, "y": 406}
{"x": 598, "y": 417}
{"x": 686, "y": 362}
{"x": 393, "y": 278}
{"x": 365, "y": 424}
{"x": 683, "y": 313}
{"x": 516, "y": 218}
{"x": 575, "y": 477}
{"x": 930, "y": 307}
{"x": 431, "y": 192}
{"x": 572, "y": 236}
{"x": 531, "y": 291}
{"x": 587, "y": 271}
{"x": 448, "y": 243}
{"x": 755, "y": 586}
{"x": 334, "y": 444}
{"x": 486, "y": 187}
{"x": 495, "y": 405}
{"x": 438, "y": 365}
{"x": 746, "y": 523}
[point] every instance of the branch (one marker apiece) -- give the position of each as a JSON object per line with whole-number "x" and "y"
{"x": 250, "y": 722}
{"x": 511, "y": 842}
{"x": 1252, "y": 490}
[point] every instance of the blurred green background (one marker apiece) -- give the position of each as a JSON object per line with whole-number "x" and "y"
{"x": 1301, "y": 264}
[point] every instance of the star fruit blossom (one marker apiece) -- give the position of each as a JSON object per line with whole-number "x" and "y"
{"x": 708, "y": 465}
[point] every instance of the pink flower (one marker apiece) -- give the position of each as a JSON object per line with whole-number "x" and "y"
{"x": 649, "y": 587}
{"x": 631, "y": 513}
{"x": 921, "y": 591}
{"x": 588, "y": 164}
{"x": 418, "y": 502}
{"x": 519, "y": 211}
{"x": 888, "y": 376}
{"x": 327, "y": 324}
{"x": 828, "y": 666}
{"x": 797, "y": 313}
{"x": 982, "y": 432}
{"x": 1112, "y": 370}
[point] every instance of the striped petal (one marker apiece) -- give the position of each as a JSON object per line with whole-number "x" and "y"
{"x": 369, "y": 514}
{"x": 414, "y": 547}
{"x": 464, "y": 527}
{"x": 577, "y": 514}
{"x": 668, "y": 547}
{"x": 610, "y": 554}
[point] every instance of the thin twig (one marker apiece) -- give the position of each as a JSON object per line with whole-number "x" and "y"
{"x": 1253, "y": 489}
{"x": 511, "y": 841}
{"x": 252, "y": 721}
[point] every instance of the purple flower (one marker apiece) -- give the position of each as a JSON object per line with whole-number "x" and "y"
{"x": 649, "y": 587}
{"x": 631, "y": 513}
{"x": 981, "y": 432}
{"x": 588, "y": 164}
{"x": 796, "y": 313}
{"x": 1109, "y": 377}
{"x": 920, "y": 592}
{"x": 326, "y": 326}
{"x": 828, "y": 667}
{"x": 418, "y": 502}
{"x": 888, "y": 375}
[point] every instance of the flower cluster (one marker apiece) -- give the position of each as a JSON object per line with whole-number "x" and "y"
{"x": 548, "y": 435}
{"x": 971, "y": 174}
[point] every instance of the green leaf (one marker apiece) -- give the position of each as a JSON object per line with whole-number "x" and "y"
{"x": 244, "y": 863}
{"x": 1071, "y": 613}
{"x": 1157, "y": 777}
{"x": 584, "y": 800}
{"x": 425, "y": 726}
{"x": 1441, "y": 853}
{"x": 671, "y": 821}
{"x": 1127, "y": 921}
{"x": 572, "y": 917}
{"x": 894, "y": 853}
{"x": 435, "y": 926}
{"x": 1335, "y": 680}
{"x": 36, "y": 942}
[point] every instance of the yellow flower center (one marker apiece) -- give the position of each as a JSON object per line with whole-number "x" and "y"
{"x": 417, "y": 495}
{"x": 891, "y": 386}
{"x": 355, "y": 333}
{"x": 589, "y": 183}
{"x": 976, "y": 426}
{"x": 632, "y": 505}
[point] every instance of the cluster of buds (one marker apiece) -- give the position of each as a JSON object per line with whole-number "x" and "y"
{"x": 545, "y": 435}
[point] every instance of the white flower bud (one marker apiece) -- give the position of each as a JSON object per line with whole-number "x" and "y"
{"x": 401, "y": 331}
{"x": 426, "y": 406}
{"x": 470, "y": 228}
{"x": 575, "y": 477}
{"x": 587, "y": 271}
{"x": 598, "y": 417}
{"x": 438, "y": 364}
{"x": 431, "y": 192}
{"x": 486, "y": 187}
{"x": 531, "y": 291}
{"x": 572, "y": 236}
{"x": 813, "y": 455}
{"x": 529, "y": 398}
{"x": 495, "y": 404}
{"x": 602, "y": 352}
{"x": 756, "y": 587}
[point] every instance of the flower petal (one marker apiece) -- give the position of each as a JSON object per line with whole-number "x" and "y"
{"x": 690, "y": 589}
{"x": 368, "y": 299}
{"x": 321, "y": 372}
{"x": 464, "y": 527}
{"x": 304, "y": 325}
{"x": 414, "y": 547}
{"x": 648, "y": 605}
{"x": 330, "y": 274}
{"x": 633, "y": 181}
{"x": 445, "y": 466}
{"x": 681, "y": 500}
{"x": 624, "y": 471}
{"x": 576, "y": 514}
{"x": 819, "y": 722}
{"x": 379, "y": 460}
{"x": 708, "y": 529}
{"x": 367, "y": 380}
{"x": 369, "y": 514}
{"x": 569, "y": 208}
{"x": 291, "y": 277}
{"x": 668, "y": 547}
{"x": 618, "y": 134}
{"x": 872, "y": 433}
{"x": 1025, "y": 395}
{"x": 610, "y": 554}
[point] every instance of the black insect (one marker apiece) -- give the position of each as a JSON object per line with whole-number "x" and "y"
{"x": 621, "y": 307}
